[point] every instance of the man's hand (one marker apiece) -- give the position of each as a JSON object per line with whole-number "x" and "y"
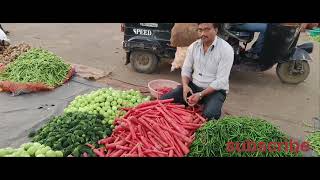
{"x": 186, "y": 90}
{"x": 194, "y": 99}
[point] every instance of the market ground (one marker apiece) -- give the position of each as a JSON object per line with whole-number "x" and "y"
{"x": 254, "y": 94}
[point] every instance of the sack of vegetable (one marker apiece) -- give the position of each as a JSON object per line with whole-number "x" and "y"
{"x": 184, "y": 34}
{"x": 10, "y": 53}
{"x": 35, "y": 70}
{"x": 305, "y": 26}
{"x": 179, "y": 58}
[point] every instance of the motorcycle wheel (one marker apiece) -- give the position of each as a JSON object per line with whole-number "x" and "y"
{"x": 284, "y": 74}
{"x": 144, "y": 62}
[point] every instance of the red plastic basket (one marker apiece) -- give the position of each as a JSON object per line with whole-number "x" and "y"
{"x": 160, "y": 83}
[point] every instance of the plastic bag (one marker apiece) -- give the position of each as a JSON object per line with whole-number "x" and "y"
{"x": 306, "y": 26}
{"x": 179, "y": 58}
{"x": 3, "y": 37}
{"x": 184, "y": 34}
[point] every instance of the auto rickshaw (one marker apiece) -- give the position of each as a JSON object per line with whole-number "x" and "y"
{"x": 280, "y": 48}
{"x": 146, "y": 43}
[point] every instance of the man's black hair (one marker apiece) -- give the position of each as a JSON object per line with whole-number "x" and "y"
{"x": 215, "y": 25}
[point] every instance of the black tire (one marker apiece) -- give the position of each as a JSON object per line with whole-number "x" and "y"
{"x": 144, "y": 62}
{"x": 284, "y": 75}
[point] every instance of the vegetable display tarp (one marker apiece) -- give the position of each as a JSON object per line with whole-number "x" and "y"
{"x": 19, "y": 115}
{"x": 21, "y": 88}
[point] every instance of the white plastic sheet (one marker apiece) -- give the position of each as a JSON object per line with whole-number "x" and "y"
{"x": 3, "y": 36}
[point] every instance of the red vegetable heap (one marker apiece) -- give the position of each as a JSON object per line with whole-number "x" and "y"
{"x": 152, "y": 129}
{"x": 164, "y": 90}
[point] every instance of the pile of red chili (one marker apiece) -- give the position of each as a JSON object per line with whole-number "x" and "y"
{"x": 164, "y": 90}
{"x": 157, "y": 128}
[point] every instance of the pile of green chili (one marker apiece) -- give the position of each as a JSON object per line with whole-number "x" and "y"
{"x": 212, "y": 138}
{"x": 37, "y": 66}
{"x": 314, "y": 141}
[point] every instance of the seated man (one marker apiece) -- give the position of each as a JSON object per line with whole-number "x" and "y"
{"x": 205, "y": 72}
{"x": 256, "y": 49}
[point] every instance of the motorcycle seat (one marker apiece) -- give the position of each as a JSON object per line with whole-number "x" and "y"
{"x": 244, "y": 36}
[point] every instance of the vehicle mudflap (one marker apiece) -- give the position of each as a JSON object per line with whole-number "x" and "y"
{"x": 127, "y": 58}
{"x": 300, "y": 54}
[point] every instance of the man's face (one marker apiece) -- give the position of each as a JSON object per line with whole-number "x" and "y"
{"x": 207, "y": 32}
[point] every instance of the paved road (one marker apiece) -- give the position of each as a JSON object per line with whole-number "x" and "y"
{"x": 256, "y": 94}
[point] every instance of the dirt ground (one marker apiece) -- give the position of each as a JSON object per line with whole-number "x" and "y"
{"x": 254, "y": 94}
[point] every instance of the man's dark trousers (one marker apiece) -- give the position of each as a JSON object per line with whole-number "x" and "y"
{"x": 212, "y": 102}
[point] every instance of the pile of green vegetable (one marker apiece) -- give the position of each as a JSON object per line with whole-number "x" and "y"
{"x": 317, "y": 38}
{"x": 30, "y": 150}
{"x": 71, "y": 131}
{"x": 107, "y": 102}
{"x": 212, "y": 138}
{"x": 37, "y": 66}
{"x": 314, "y": 141}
